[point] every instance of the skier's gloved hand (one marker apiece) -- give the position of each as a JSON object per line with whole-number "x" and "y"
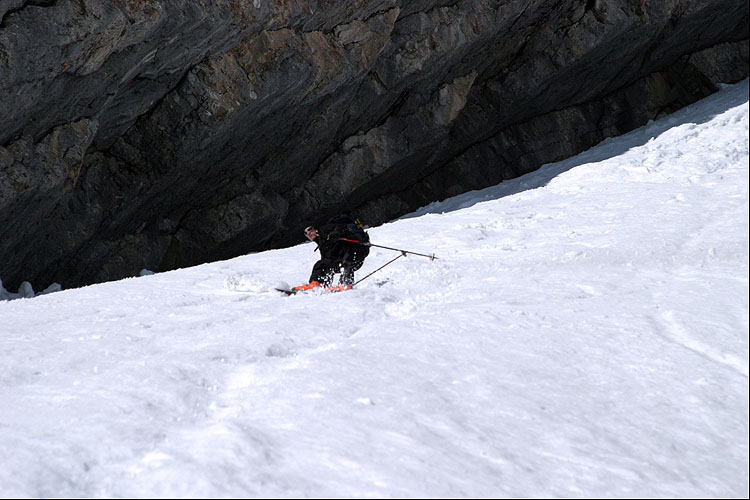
{"x": 311, "y": 233}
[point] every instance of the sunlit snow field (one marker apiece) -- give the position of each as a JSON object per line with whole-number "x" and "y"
{"x": 583, "y": 333}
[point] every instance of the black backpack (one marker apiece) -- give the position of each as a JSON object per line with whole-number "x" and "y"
{"x": 345, "y": 226}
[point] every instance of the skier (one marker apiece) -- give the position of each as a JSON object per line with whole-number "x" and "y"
{"x": 343, "y": 244}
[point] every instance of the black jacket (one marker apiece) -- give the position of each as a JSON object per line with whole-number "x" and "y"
{"x": 332, "y": 239}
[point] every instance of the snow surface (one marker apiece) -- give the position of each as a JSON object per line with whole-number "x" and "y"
{"x": 583, "y": 333}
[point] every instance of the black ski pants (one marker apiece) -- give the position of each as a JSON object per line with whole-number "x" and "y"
{"x": 347, "y": 258}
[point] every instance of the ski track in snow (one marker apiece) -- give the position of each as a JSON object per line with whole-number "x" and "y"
{"x": 677, "y": 332}
{"x": 584, "y": 332}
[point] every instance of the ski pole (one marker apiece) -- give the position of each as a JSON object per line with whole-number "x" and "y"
{"x": 381, "y": 267}
{"x": 368, "y": 244}
{"x": 431, "y": 257}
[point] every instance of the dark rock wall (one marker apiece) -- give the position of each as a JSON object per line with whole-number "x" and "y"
{"x": 160, "y": 134}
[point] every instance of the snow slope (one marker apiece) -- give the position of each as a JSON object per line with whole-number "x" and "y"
{"x": 583, "y": 333}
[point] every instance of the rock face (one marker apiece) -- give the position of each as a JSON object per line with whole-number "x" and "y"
{"x": 165, "y": 133}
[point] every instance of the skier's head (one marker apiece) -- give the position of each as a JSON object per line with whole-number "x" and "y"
{"x": 311, "y": 233}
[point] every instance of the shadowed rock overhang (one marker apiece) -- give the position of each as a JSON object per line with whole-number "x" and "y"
{"x": 162, "y": 134}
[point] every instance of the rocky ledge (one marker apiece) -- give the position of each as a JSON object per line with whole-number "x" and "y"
{"x": 165, "y": 133}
